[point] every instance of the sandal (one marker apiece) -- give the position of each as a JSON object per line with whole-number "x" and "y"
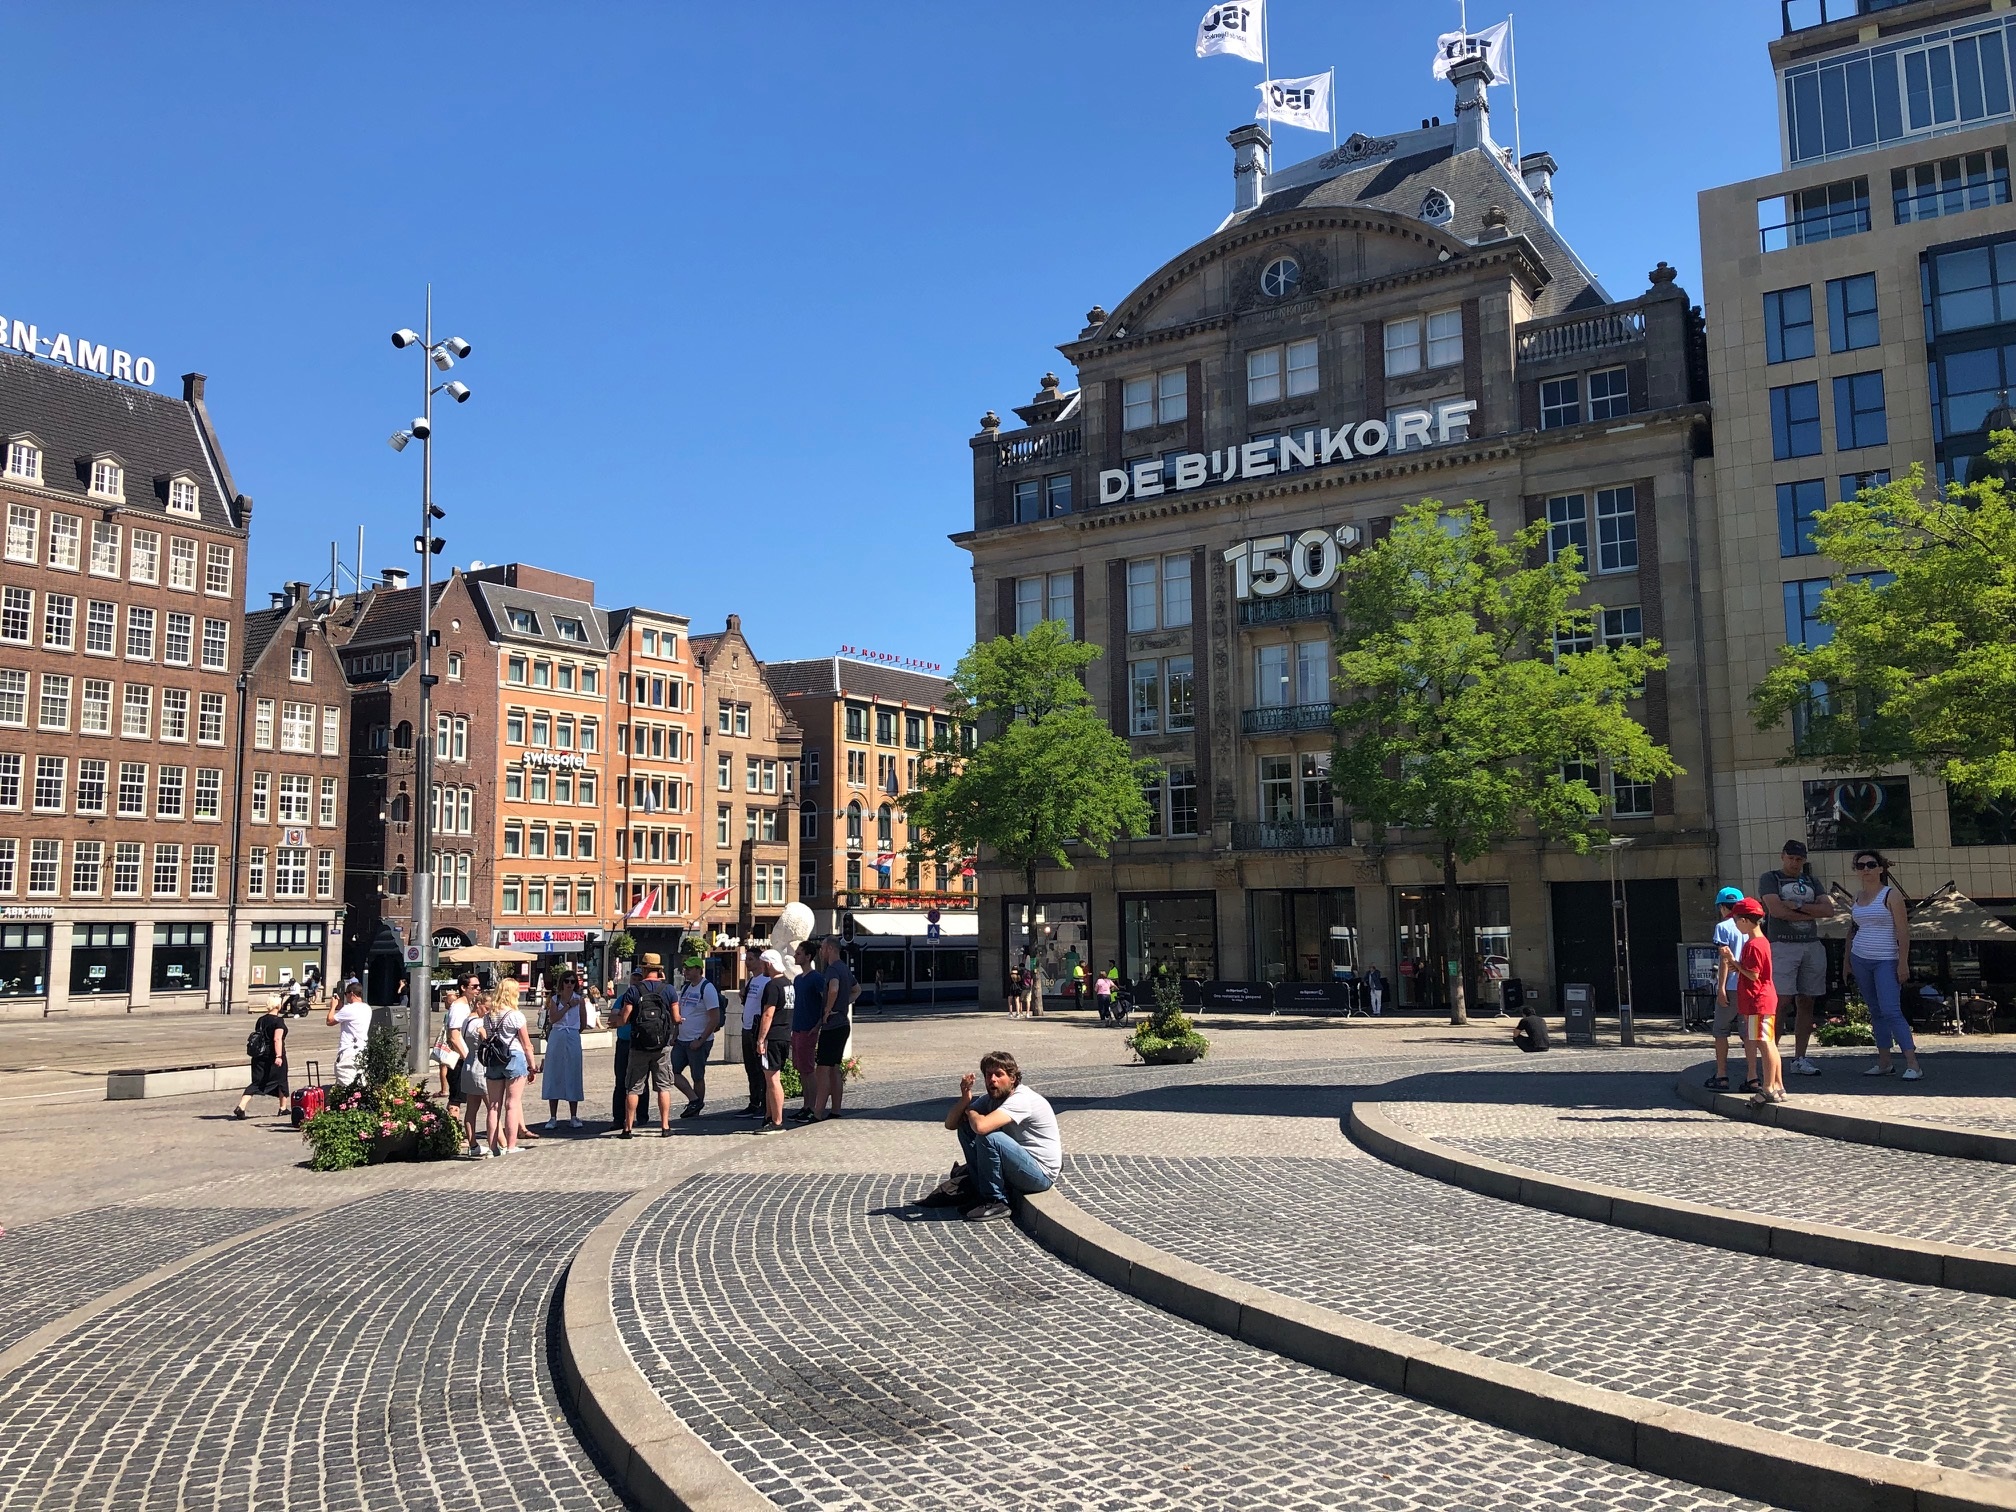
{"x": 1751, "y": 1086}
{"x": 1717, "y": 1084}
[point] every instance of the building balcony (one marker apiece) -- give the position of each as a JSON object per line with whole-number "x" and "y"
{"x": 1287, "y": 718}
{"x": 1039, "y": 443}
{"x": 1564, "y": 337}
{"x": 1292, "y": 835}
{"x": 1804, "y": 15}
{"x": 1286, "y": 609}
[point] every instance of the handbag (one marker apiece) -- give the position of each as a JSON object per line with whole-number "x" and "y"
{"x": 443, "y": 1053}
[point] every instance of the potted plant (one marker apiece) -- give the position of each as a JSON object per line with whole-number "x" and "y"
{"x": 1852, "y": 1028}
{"x": 382, "y": 1116}
{"x": 1168, "y": 1038}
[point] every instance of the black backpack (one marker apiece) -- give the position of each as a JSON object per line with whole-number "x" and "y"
{"x": 651, "y": 1020}
{"x": 496, "y": 1048}
{"x": 258, "y": 1043}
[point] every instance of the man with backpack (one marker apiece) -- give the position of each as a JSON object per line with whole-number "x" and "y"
{"x": 698, "y": 1016}
{"x": 651, "y": 1015}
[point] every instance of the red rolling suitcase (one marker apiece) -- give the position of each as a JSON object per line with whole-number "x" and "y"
{"x": 308, "y": 1100}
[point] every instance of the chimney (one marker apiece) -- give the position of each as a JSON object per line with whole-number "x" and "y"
{"x": 297, "y": 593}
{"x": 1473, "y": 110}
{"x": 392, "y": 577}
{"x": 192, "y": 387}
{"x": 1250, "y": 165}
{"x": 1538, "y": 170}
{"x": 278, "y": 599}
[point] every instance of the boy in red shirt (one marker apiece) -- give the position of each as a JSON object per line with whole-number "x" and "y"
{"x": 1757, "y": 1001}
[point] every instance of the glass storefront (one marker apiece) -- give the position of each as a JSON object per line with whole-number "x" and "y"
{"x": 1177, "y": 930}
{"x": 1063, "y": 937}
{"x": 101, "y": 959}
{"x": 1304, "y": 934}
{"x": 181, "y": 958}
{"x": 24, "y": 960}
{"x": 1485, "y": 911}
{"x": 282, "y": 951}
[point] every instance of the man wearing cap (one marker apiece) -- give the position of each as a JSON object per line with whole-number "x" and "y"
{"x": 1729, "y": 937}
{"x": 771, "y": 1036}
{"x": 619, "y": 1015}
{"x": 1795, "y": 901}
{"x": 697, "y": 1017}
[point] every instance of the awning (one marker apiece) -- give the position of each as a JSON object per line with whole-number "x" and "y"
{"x": 964, "y": 926}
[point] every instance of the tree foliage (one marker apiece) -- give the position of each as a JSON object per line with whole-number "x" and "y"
{"x": 1456, "y": 715}
{"x": 1047, "y": 772}
{"x": 1921, "y": 665}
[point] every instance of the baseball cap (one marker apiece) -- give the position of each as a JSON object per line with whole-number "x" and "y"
{"x": 772, "y": 961}
{"x": 1793, "y": 848}
{"x": 1748, "y": 908}
{"x": 1729, "y": 895}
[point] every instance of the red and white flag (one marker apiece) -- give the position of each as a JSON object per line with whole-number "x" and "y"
{"x": 644, "y": 905}
{"x": 718, "y": 896}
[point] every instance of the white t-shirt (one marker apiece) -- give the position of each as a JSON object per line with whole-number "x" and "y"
{"x": 752, "y": 1001}
{"x": 698, "y": 1004}
{"x": 353, "y": 1022}
{"x": 1032, "y": 1124}
{"x": 456, "y": 1023}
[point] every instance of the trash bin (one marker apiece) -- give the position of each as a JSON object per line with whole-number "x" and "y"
{"x": 1578, "y": 1010}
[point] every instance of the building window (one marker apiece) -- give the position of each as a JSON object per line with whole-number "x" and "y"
{"x": 1281, "y": 372}
{"x": 217, "y": 571}
{"x": 1795, "y": 421}
{"x": 1824, "y": 213}
{"x": 1270, "y": 677}
{"x": 1312, "y": 672}
{"x": 1420, "y": 342}
{"x": 132, "y": 790}
{"x": 1042, "y": 498}
{"x": 177, "y": 637}
{"x": 23, "y": 529}
{"x": 217, "y": 645}
{"x": 104, "y": 548}
{"x": 570, "y": 629}
{"x": 1560, "y": 402}
{"x": 208, "y": 799}
{"x": 1951, "y": 186}
{"x": 108, "y": 479}
{"x": 1179, "y": 679}
{"x": 175, "y": 714}
{"x": 181, "y": 564}
{"x": 50, "y": 772}
{"x": 93, "y": 783}
{"x": 59, "y": 621}
{"x": 144, "y": 565}
{"x": 1859, "y": 419}
{"x": 10, "y": 781}
{"x": 1804, "y": 625}
{"x": 1144, "y": 697}
{"x": 523, "y": 621}
{"x": 1158, "y": 593}
{"x": 1851, "y": 313}
{"x": 1788, "y": 324}
{"x": 24, "y": 461}
{"x": 1798, "y": 503}
{"x": 55, "y": 708}
{"x": 14, "y": 698}
{"x": 17, "y": 614}
{"x": 181, "y": 496}
{"x": 297, "y": 728}
{"x": 167, "y": 870}
{"x": 1609, "y": 394}
{"x": 300, "y": 664}
{"x": 139, "y": 633}
{"x": 1568, "y": 526}
{"x": 202, "y": 871}
{"x": 66, "y": 535}
{"x": 1623, "y": 627}
{"x": 1616, "y": 530}
{"x": 1159, "y": 399}
{"x": 1046, "y": 598}
{"x": 290, "y": 873}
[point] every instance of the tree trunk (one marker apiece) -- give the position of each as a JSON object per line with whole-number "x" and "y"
{"x": 1452, "y": 938}
{"x": 1029, "y": 918}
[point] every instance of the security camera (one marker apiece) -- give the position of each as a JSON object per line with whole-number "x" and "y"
{"x": 441, "y": 358}
{"x": 403, "y": 338}
{"x": 458, "y": 391}
{"x": 398, "y": 439}
{"x": 421, "y": 428}
{"x": 457, "y": 345}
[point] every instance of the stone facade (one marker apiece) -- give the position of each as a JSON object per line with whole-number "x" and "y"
{"x": 749, "y": 775}
{"x": 655, "y": 798}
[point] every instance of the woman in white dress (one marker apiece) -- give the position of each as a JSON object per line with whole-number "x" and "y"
{"x": 566, "y": 1017}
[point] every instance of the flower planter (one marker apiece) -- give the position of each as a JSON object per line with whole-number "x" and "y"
{"x": 1173, "y": 1055}
{"x": 404, "y": 1145}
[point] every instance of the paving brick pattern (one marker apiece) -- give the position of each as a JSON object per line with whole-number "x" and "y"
{"x": 48, "y": 1269}
{"x": 1633, "y": 1131}
{"x": 389, "y": 1355}
{"x": 840, "y": 1353}
{"x": 1919, "y": 1373}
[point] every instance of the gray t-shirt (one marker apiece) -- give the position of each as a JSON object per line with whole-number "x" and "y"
{"x": 698, "y": 1003}
{"x": 1032, "y": 1124}
{"x": 1794, "y": 892}
{"x": 841, "y": 973}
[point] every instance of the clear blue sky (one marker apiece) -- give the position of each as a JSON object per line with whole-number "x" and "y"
{"x": 740, "y": 278}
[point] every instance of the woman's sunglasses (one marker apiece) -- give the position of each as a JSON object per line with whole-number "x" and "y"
{"x": 1868, "y": 866}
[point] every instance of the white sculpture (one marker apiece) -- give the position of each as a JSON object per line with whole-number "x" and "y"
{"x": 794, "y": 928}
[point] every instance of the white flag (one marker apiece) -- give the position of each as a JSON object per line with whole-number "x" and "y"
{"x": 1489, "y": 44}
{"x": 1232, "y": 30}
{"x": 1297, "y": 102}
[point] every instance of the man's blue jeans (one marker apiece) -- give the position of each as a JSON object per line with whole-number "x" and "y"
{"x": 996, "y": 1163}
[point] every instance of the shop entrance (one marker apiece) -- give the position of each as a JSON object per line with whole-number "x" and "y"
{"x": 1420, "y": 965}
{"x": 1177, "y": 930}
{"x": 1584, "y": 950}
{"x": 1304, "y": 934}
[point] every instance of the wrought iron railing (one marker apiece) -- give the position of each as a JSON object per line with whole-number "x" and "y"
{"x": 1294, "y": 834}
{"x": 1283, "y": 718}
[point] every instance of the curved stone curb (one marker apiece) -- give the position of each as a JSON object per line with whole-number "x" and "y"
{"x": 1862, "y": 1252}
{"x": 1955, "y": 1141}
{"x": 655, "y": 1460}
{"x": 1719, "y": 1453}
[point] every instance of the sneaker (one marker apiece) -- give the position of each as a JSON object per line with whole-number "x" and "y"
{"x": 1877, "y": 1071}
{"x": 692, "y": 1110}
{"x": 624, "y": 1134}
{"x": 573, "y": 1123}
{"x": 1717, "y": 1084}
{"x": 988, "y": 1212}
{"x": 1912, "y": 1073}
{"x": 769, "y": 1128}
{"x": 480, "y": 1152}
{"x": 1805, "y": 1067}
{"x": 664, "y": 1131}
{"x": 237, "y": 1112}
{"x": 552, "y": 1124}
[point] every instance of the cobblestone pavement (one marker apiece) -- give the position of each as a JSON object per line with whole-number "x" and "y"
{"x": 1914, "y": 1372}
{"x": 840, "y": 1352}
{"x": 1632, "y": 1131}
{"x": 51, "y": 1268}
{"x": 391, "y": 1354}
{"x": 1976, "y": 1087}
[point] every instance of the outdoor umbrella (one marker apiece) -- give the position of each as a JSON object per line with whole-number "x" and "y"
{"x": 1949, "y": 914}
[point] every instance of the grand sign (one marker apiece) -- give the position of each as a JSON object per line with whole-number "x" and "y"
{"x": 1153, "y": 476}
{"x": 89, "y": 356}
{"x": 566, "y": 761}
{"x": 1269, "y": 566}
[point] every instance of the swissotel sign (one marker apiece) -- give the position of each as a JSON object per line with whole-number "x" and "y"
{"x": 76, "y": 352}
{"x": 1152, "y": 476}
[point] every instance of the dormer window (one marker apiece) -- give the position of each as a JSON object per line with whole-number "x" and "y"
{"x": 108, "y": 479}
{"x": 570, "y": 629}
{"x": 524, "y": 621}
{"x": 24, "y": 459}
{"x": 181, "y": 496}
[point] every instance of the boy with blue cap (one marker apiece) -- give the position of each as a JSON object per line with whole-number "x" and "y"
{"x": 1726, "y": 933}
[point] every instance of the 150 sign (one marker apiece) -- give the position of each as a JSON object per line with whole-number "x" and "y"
{"x": 1269, "y": 566}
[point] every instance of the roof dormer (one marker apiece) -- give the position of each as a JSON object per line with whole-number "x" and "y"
{"x": 104, "y": 476}
{"x": 180, "y": 491}
{"x": 24, "y": 457}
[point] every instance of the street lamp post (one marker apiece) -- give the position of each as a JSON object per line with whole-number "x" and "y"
{"x": 435, "y": 356}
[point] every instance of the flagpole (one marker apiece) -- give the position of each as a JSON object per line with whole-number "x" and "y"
{"x": 1518, "y": 146}
{"x": 1333, "y": 109}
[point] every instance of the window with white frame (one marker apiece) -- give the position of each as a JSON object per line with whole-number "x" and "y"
{"x": 104, "y": 548}
{"x": 262, "y": 724}
{"x": 101, "y": 627}
{"x": 139, "y": 633}
{"x": 297, "y": 727}
{"x": 170, "y": 786}
{"x": 66, "y": 537}
{"x": 94, "y": 782}
{"x": 332, "y": 718}
{"x": 295, "y": 796}
{"x": 1281, "y": 372}
{"x": 175, "y": 714}
{"x": 143, "y": 564}
{"x": 208, "y": 793}
{"x": 13, "y": 698}
{"x": 290, "y": 873}
{"x": 217, "y": 571}
{"x": 59, "y": 621}
{"x": 1270, "y": 677}
{"x": 202, "y": 871}
{"x": 1158, "y": 592}
{"x": 55, "y": 709}
{"x": 255, "y": 872}
{"x": 136, "y": 714}
{"x": 23, "y": 530}
{"x": 24, "y": 461}
{"x": 1179, "y": 686}
{"x": 1312, "y": 672}
{"x": 17, "y": 615}
{"x": 1420, "y": 342}
{"x": 210, "y": 719}
{"x": 1051, "y": 597}
{"x": 10, "y": 780}
{"x": 1156, "y": 399}
{"x": 177, "y": 633}
{"x": 133, "y": 789}
{"x": 108, "y": 479}
{"x": 181, "y": 496}
{"x": 1144, "y": 697}
{"x": 45, "y": 862}
{"x": 87, "y": 867}
{"x": 50, "y": 773}
{"x": 217, "y": 644}
{"x": 300, "y": 664}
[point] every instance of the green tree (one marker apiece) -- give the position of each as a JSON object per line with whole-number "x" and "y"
{"x": 1047, "y": 771}
{"x": 1921, "y": 666}
{"x": 1457, "y": 716}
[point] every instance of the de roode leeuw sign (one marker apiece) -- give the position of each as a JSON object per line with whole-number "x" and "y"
{"x": 75, "y": 351}
{"x": 1153, "y": 476}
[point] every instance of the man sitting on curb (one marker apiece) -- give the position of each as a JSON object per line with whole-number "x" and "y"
{"x": 1009, "y": 1138}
